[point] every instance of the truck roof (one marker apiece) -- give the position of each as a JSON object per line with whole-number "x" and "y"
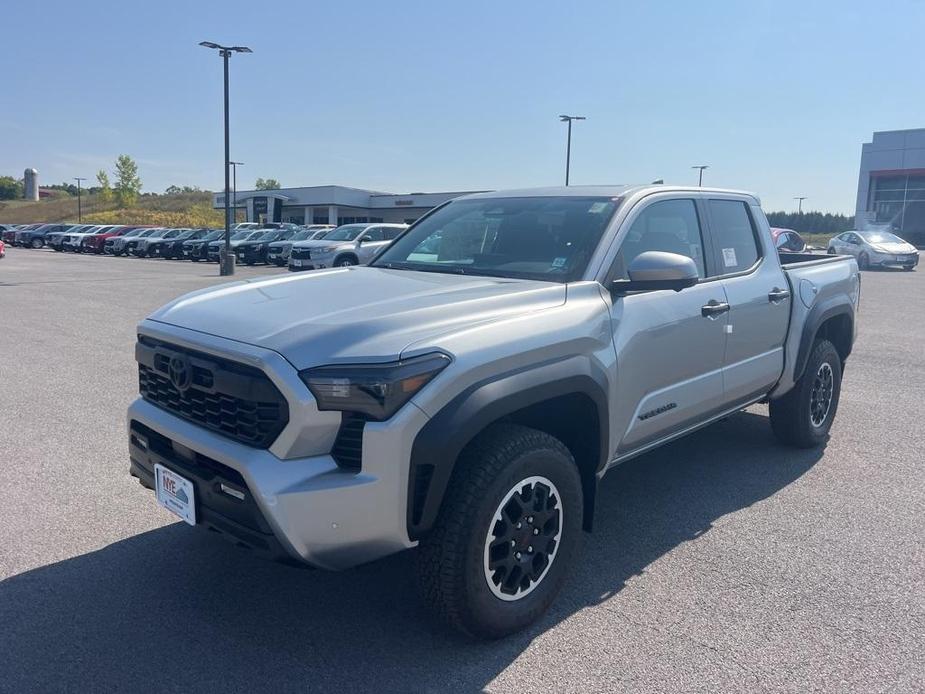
{"x": 610, "y": 191}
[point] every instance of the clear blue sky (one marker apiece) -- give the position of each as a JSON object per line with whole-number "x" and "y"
{"x": 775, "y": 96}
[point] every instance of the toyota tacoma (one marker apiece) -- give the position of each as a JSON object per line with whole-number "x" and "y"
{"x": 465, "y": 393}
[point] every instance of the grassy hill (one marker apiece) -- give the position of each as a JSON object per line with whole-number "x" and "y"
{"x": 187, "y": 209}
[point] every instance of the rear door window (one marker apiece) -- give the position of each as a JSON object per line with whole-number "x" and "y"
{"x": 735, "y": 245}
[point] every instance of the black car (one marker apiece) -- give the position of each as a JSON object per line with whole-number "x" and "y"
{"x": 35, "y": 237}
{"x": 173, "y": 248}
{"x": 198, "y": 249}
{"x": 237, "y": 238}
{"x": 255, "y": 250}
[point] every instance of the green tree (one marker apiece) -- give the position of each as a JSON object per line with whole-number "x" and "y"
{"x": 105, "y": 190}
{"x": 128, "y": 184}
{"x": 10, "y": 188}
{"x": 173, "y": 190}
{"x": 267, "y": 184}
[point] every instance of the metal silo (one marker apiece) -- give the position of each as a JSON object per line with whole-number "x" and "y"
{"x": 31, "y": 184}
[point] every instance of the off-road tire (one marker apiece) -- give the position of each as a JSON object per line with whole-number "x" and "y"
{"x": 791, "y": 415}
{"x": 451, "y": 568}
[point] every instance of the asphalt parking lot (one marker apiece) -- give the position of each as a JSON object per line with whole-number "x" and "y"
{"x": 724, "y": 562}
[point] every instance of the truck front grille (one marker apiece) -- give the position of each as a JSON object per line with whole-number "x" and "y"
{"x": 301, "y": 254}
{"x": 232, "y": 399}
{"x": 348, "y": 446}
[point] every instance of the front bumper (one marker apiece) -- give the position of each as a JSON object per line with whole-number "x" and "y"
{"x": 890, "y": 260}
{"x": 314, "y": 510}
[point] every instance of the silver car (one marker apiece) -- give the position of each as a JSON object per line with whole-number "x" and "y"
{"x": 875, "y": 249}
{"x": 278, "y": 251}
{"x": 350, "y": 244}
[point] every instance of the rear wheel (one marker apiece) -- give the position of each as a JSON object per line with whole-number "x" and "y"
{"x": 804, "y": 416}
{"x": 908, "y": 268}
{"x": 863, "y": 261}
{"x": 506, "y": 535}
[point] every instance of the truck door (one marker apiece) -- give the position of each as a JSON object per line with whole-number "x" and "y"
{"x": 758, "y": 294}
{"x": 669, "y": 345}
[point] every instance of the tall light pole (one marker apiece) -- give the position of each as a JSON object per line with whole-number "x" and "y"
{"x": 800, "y": 199}
{"x": 234, "y": 185}
{"x": 78, "y": 179}
{"x": 700, "y": 177}
{"x": 568, "y": 146}
{"x": 226, "y": 257}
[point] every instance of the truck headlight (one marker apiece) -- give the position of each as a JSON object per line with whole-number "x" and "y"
{"x": 375, "y": 390}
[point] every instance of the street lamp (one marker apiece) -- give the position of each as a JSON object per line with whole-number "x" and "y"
{"x": 234, "y": 185}
{"x": 568, "y": 147}
{"x": 226, "y": 258}
{"x": 701, "y": 167}
{"x": 800, "y": 199}
{"x": 78, "y": 179}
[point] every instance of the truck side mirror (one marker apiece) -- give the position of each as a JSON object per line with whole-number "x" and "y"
{"x": 653, "y": 270}
{"x": 364, "y": 239}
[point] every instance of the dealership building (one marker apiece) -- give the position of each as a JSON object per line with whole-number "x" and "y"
{"x": 333, "y": 205}
{"x": 891, "y": 184}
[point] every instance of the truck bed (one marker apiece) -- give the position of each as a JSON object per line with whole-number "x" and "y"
{"x": 821, "y": 286}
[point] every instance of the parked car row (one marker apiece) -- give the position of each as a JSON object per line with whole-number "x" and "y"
{"x": 322, "y": 246}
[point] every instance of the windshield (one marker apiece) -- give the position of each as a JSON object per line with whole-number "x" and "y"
{"x": 241, "y": 235}
{"x": 266, "y": 236}
{"x": 546, "y": 238}
{"x": 212, "y": 235}
{"x": 880, "y": 237}
{"x": 347, "y": 232}
{"x": 320, "y": 234}
{"x": 300, "y": 235}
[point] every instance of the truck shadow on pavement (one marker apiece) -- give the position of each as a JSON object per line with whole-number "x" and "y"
{"x": 176, "y": 609}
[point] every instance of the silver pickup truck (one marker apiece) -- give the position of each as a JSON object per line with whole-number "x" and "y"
{"x": 465, "y": 393}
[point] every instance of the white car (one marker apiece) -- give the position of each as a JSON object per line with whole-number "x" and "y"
{"x": 875, "y": 249}
{"x": 350, "y": 244}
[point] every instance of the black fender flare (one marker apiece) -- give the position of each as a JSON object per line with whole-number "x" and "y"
{"x": 440, "y": 441}
{"x": 818, "y": 315}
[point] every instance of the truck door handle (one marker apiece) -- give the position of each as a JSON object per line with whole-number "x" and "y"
{"x": 776, "y": 295}
{"x": 714, "y": 309}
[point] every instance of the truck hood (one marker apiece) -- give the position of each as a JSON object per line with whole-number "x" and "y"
{"x": 353, "y": 313}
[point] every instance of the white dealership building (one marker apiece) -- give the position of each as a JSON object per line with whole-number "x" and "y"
{"x": 333, "y": 205}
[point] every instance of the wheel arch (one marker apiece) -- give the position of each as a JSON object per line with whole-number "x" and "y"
{"x": 561, "y": 398}
{"x": 346, "y": 254}
{"x": 833, "y": 321}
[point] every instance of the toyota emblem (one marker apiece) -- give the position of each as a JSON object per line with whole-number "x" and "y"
{"x": 181, "y": 372}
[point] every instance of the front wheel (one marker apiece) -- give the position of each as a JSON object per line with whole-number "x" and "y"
{"x": 506, "y": 534}
{"x": 804, "y": 415}
{"x": 345, "y": 261}
{"x": 37, "y": 243}
{"x": 863, "y": 262}
{"x": 831, "y": 251}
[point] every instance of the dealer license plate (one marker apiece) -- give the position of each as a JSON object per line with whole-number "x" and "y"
{"x": 175, "y": 493}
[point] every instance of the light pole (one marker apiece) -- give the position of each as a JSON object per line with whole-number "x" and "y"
{"x": 800, "y": 199}
{"x": 568, "y": 146}
{"x": 234, "y": 185}
{"x": 700, "y": 178}
{"x": 226, "y": 257}
{"x": 78, "y": 179}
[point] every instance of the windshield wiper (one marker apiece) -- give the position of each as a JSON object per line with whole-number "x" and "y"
{"x": 454, "y": 270}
